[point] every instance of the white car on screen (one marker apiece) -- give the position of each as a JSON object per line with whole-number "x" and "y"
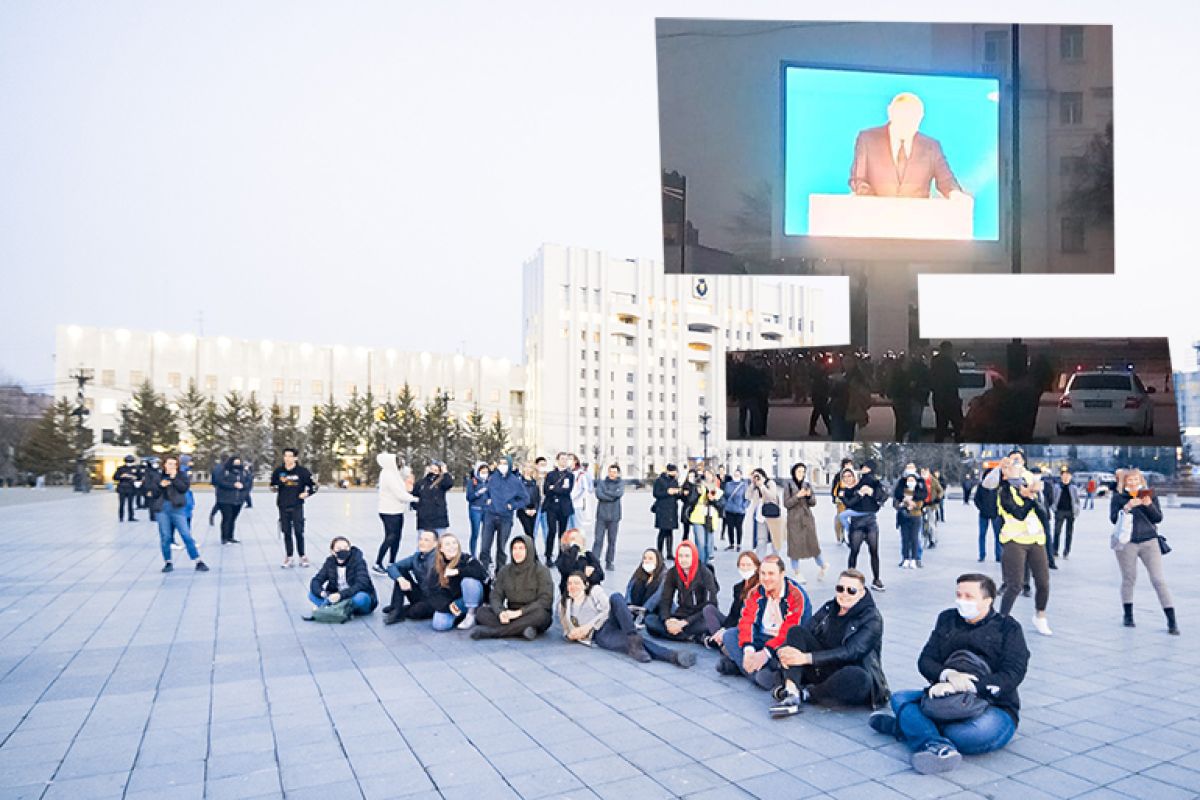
{"x": 972, "y": 382}
{"x": 1105, "y": 399}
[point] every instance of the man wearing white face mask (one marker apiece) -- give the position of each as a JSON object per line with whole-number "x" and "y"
{"x": 987, "y": 716}
{"x": 505, "y": 494}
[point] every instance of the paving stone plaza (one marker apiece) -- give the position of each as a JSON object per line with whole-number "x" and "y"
{"x": 117, "y": 681}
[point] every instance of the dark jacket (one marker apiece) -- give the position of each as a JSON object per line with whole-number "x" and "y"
{"x": 126, "y": 478}
{"x": 226, "y": 482}
{"x": 573, "y": 559}
{"x": 534, "y": 492}
{"x": 430, "y": 492}
{"x": 441, "y": 597}
{"x": 608, "y": 499}
{"x": 735, "y": 609}
{"x": 861, "y": 643}
{"x": 476, "y": 497}
{"x": 898, "y": 492}
{"x": 987, "y": 501}
{"x": 417, "y": 569}
{"x": 289, "y": 484}
{"x": 644, "y": 593}
{"x": 1056, "y": 491}
{"x": 505, "y": 494}
{"x": 666, "y": 506}
{"x": 174, "y": 493}
{"x": 687, "y": 603}
{"x": 944, "y": 379}
{"x": 358, "y": 578}
{"x": 996, "y": 639}
{"x": 506, "y": 594}
{"x": 556, "y": 492}
{"x": 868, "y": 504}
{"x": 1143, "y": 520}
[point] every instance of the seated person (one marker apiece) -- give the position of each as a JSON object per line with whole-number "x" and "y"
{"x": 522, "y": 596}
{"x": 771, "y": 609}
{"x": 687, "y": 590}
{"x": 973, "y": 632}
{"x": 411, "y": 577}
{"x": 590, "y": 617}
{"x": 716, "y": 625}
{"x": 457, "y": 588}
{"x": 836, "y": 657}
{"x": 644, "y": 589}
{"x": 573, "y": 556}
{"x": 343, "y": 575}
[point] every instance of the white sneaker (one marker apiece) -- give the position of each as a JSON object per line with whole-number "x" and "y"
{"x": 176, "y": 546}
{"x": 468, "y": 622}
{"x": 1042, "y": 626}
{"x": 821, "y": 574}
{"x": 287, "y": 563}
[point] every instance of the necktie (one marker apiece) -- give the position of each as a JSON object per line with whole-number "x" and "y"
{"x": 901, "y": 160}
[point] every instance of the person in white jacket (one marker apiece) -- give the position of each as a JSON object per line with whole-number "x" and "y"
{"x": 395, "y": 500}
{"x": 582, "y": 495}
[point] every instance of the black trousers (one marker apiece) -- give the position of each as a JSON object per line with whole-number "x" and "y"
{"x": 410, "y": 603}
{"x": 229, "y": 515}
{"x": 125, "y": 502}
{"x": 528, "y": 523}
{"x": 393, "y": 527}
{"x": 820, "y": 411}
{"x": 291, "y": 525}
{"x": 1061, "y": 520}
{"x": 694, "y": 632}
{"x": 666, "y": 536}
{"x": 735, "y": 520}
{"x": 556, "y": 526}
{"x": 490, "y": 626}
{"x": 864, "y": 529}
{"x": 845, "y": 685}
{"x": 948, "y": 411}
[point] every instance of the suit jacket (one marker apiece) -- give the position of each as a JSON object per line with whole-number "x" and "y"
{"x": 874, "y": 172}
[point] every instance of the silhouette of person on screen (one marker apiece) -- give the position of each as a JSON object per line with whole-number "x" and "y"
{"x": 894, "y": 160}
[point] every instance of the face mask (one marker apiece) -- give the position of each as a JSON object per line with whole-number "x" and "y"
{"x": 342, "y": 556}
{"x": 746, "y": 574}
{"x": 967, "y": 609}
{"x": 503, "y": 469}
{"x": 648, "y": 568}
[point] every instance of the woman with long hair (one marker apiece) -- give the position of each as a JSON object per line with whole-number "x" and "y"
{"x": 644, "y": 589}
{"x": 1136, "y": 538}
{"x": 458, "y": 586}
{"x": 589, "y": 617}
{"x": 748, "y": 563}
{"x": 766, "y": 509}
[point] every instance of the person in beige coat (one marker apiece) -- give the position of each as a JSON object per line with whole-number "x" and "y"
{"x": 766, "y": 509}
{"x": 802, "y": 543}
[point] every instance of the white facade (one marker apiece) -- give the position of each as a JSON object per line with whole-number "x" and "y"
{"x": 298, "y": 376}
{"x": 621, "y": 360}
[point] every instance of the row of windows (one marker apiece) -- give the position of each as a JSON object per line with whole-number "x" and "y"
{"x": 629, "y": 414}
{"x": 175, "y": 382}
{"x": 1070, "y": 44}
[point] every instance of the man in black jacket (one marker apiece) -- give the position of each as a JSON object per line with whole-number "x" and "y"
{"x": 126, "y": 478}
{"x": 973, "y": 630}
{"x": 343, "y": 575}
{"x": 944, "y": 379}
{"x": 556, "y": 492}
{"x": 836, "y": 657}
{"x": 411, "y": 577}
{"x": 292, "y": 484}
{"x": 667, "y": 496}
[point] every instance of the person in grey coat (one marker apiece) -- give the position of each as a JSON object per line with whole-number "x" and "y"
{"x": 1064, "y": 504}
{"x": 609, "y": 492}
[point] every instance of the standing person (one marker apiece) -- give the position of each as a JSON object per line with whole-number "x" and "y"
{"x": 532, "y": 512}
{"x": 215, "y": 478}
{"x": 609, "y": 492}
{"x": 1023, "y": 534}
{"x": 541, "y": 469}
{"x": 522, "y": 597}
{"x": 590, "y": 617}
{"x": 835, "y": 491}
{"x": 770, "y": 611}
{"x": 343, "y": 576}
{"x": 1064, "y": 503}
{"x": 766, "y": 511}
{"x": 944, "y": 380}
{"x": 736, "y": 503}
{"x": 862, "y": 495}
{"x": 941, "y": 495}
{"x": 1091, "y": 493}
{"x": 919, "y": 390}
{"x": 989, "y": 519}
{"x": 820, "y": 400}
{"x": 395, "y": 500}
{"x": 505, "y": 495}
{"x": 247, "y": 484}
{"x": 230, "y": 486}
{"x": 1135, "y": 512}
{"x": 967, "y": 483}
{"x": 899, "y": 389}
{"x": 687, "y": 591}
{"x": 929, "y": 518}
{"x": 581, "y": 491}
{"x": 908, "y": 497}
{"x": 705, "y": 513}
{"x": 430, "y": 491}
{"x": 802, "y": 542}
{"x": 126, "y": 478}
{"x": 139, "y": 471}
{"x": 476, "y": 490}
{"x": 972, "y": 650}
{"x": 292, "y": 484}
{"x": 168, "y": 501}
{"x": 556, "y": 502}
{"x": 667, "y": 496}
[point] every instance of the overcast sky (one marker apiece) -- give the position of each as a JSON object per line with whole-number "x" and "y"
{"x": 376, "y": 172}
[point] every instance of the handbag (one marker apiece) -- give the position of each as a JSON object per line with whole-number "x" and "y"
{"x": 770, "y": 510}
{"x": 958, "y": 707}
{"x": 334, "y": 613}
{"x": 1121, "y": 532}
{"x": 1163, "y": 547}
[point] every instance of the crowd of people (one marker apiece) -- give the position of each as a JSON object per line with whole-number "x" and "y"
{"x": 767, "y": 630}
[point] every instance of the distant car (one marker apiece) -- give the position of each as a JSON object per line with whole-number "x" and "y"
{"x": 1106, "y": 399}
{"x": 973, "y": 381}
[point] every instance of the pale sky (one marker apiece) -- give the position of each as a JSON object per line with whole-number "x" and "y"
{"x": 375, "y": 173}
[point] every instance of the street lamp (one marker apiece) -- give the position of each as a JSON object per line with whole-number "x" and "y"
{"x": 704, "y": 432}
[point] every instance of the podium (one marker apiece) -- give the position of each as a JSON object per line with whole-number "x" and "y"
{"x": 869, "y": 217}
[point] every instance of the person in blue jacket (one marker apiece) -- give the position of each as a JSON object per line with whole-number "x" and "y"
{"x": 505, "y": 494}
{"x": 476, "y": 489}
{"x": 231, "y": 487}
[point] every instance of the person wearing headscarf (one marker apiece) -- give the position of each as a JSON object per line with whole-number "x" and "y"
{"x": 687, "y": 590}
{"x": 802, "y": 543}
{"x": 522, "y": 596}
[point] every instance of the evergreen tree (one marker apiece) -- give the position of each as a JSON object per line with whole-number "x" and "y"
{"x": 438, "y": 430}
{"x": 285, "y": 432}
{"x": 254, "y": 444}
{"x": 148, "y": 422}
{"x": 494, "y": 443}
{"x": 231, "y": 420}
{"x": 325, "y": 435}
{"x": 55, "y": 444}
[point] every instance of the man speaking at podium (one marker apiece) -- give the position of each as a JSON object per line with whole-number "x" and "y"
{"x": 894, "y": 160}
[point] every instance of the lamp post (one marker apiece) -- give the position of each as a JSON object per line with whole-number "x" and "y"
{"x": 705, "y": 417}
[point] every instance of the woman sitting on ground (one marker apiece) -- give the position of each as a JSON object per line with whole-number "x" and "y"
{"x": 687, "y": 590}
{"x": 644, "y": 589}
{"x": 522, "y": 596}
{"x": 344, "y": 575}
{"x": 716, "y": 625}
{"x": 573, "y": 556}
{"x": 458, "y": 586}
{"x": 589, "y": 617}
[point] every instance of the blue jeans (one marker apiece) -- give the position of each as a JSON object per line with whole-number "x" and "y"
{"x": 702, "y": 537}
{"x": 476, "y": 515}
{"x": 360, "y": 603}
{"x": 910, "y": 537}
{"x": 990, "y": 731}
{"x": 994, "y": 523}
{"x": 844, "y": 517}
{"x": 472, "y": 596}
{"x": 170, "y": 520}
{"x": 766, "y": 678}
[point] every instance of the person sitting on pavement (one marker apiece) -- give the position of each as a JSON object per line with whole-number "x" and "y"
{"x": 522, "y": 596}
{"x": 573, "y": 556}
{"x": 644, "y": 589}
{"x": 458, "y": 586}
{"x": 590, "y": 617}
{"x": 836, "y": 657}
{"x": 687, "y": 590}
{"x": 716, "y": 625}
{"x": 344, "y": 575}
{"x": 974, "y": 661}
{"x": 770, "y": 611}
{"x": 411, "y": 579}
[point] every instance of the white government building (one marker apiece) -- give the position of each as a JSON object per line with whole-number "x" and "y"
{"x": 620, "y": 362}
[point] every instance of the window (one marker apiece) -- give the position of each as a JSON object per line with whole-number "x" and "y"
{"x": 582, "y": 431}
{"x": 582, "y": 374}
{"x": 629, "y": 377}
{"x": 596, "y": 353}
{"x": 318, "y": 388}
{"x": 277, "y": 385}
{"x": 295, "y": 387}
{"x": 108, "y": 436}
{"x": 1070, "y": 42}
{"x": 294, "y": 412}
{"x": 629, "y": 432}
{"x": 108, "y": 377}
{"x": 1072, "y": 235}
{"x": 566, "y": 293}
{"x": 596, "y": 374}
{"x": 136, "y": 378}
{"x": 629, "y": 414}
{"x": 596, "y": 432}
{"x": 210, "y": 383}
{"x": 629, "y": 450}
{"x": 1070, "y": 108}
{"x": 629, "y": 396}
{"x": 596, "y": 411}
{"x": 583, "y": 411}
{"x": 582, "y": 392}
{"x": 995, "y": 43}
{"x": 662, "y": 361}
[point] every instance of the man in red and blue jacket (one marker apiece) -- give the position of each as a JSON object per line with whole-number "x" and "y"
{"x": 772, "y": 608}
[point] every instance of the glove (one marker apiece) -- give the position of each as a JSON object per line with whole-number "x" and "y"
{"x": 941, "y": 690}
{"x": 960, "y": 681}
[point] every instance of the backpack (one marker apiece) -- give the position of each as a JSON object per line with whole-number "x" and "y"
{"x": 334, "y": 613}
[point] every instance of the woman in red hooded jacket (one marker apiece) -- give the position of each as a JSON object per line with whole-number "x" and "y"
{"x": 687, "y": 590}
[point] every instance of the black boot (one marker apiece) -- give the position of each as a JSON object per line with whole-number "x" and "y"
{"x": 637, "y": 649}
{"x": 1129, "y": 616}
{"x": 1172, "y": 628}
